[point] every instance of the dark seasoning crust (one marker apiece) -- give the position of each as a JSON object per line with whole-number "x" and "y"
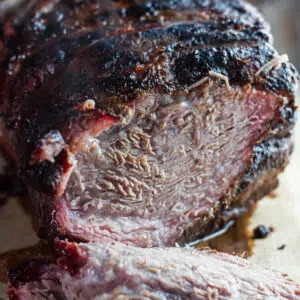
{"x": 116, "y": 52}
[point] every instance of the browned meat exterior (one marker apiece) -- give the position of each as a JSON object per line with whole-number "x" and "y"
{"x": 145, "y": 122}
{"x": 97, "y": 271}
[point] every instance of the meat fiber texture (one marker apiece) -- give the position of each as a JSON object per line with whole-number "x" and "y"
{"x": 97, "y": 271}
{"x": 144, "y": 122}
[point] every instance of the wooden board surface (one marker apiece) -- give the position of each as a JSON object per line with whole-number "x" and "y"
{"x": 282, "y": 212}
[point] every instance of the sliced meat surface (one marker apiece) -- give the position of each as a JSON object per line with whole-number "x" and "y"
{"x": 145, "y": 122}
{"x": 97, "y": 271}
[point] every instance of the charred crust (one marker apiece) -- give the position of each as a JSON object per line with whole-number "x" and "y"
{"x": 46, "y": 176}
{"x": 28, "y": 271}
{"x": 48, "y": 227}
{"x": 266, "y": 159}
{"x": 261, "y": 232}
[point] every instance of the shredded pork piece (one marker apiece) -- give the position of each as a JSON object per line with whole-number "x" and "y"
{"x": 274, "y": 63}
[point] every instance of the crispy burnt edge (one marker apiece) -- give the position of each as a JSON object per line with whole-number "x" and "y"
{"x": 19, "y": 34}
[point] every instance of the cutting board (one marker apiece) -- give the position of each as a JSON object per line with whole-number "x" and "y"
{"x": 281, "y": 211}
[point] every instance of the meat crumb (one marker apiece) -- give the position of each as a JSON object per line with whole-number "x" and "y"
{"x": 272, "y": 195}
{"x": 281, "y": 247}
{"x": 261, "y": 232}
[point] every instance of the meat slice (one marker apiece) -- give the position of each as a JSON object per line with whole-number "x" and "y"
{"x": 97, "y": 271}
{"x": 145, "y": 122}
